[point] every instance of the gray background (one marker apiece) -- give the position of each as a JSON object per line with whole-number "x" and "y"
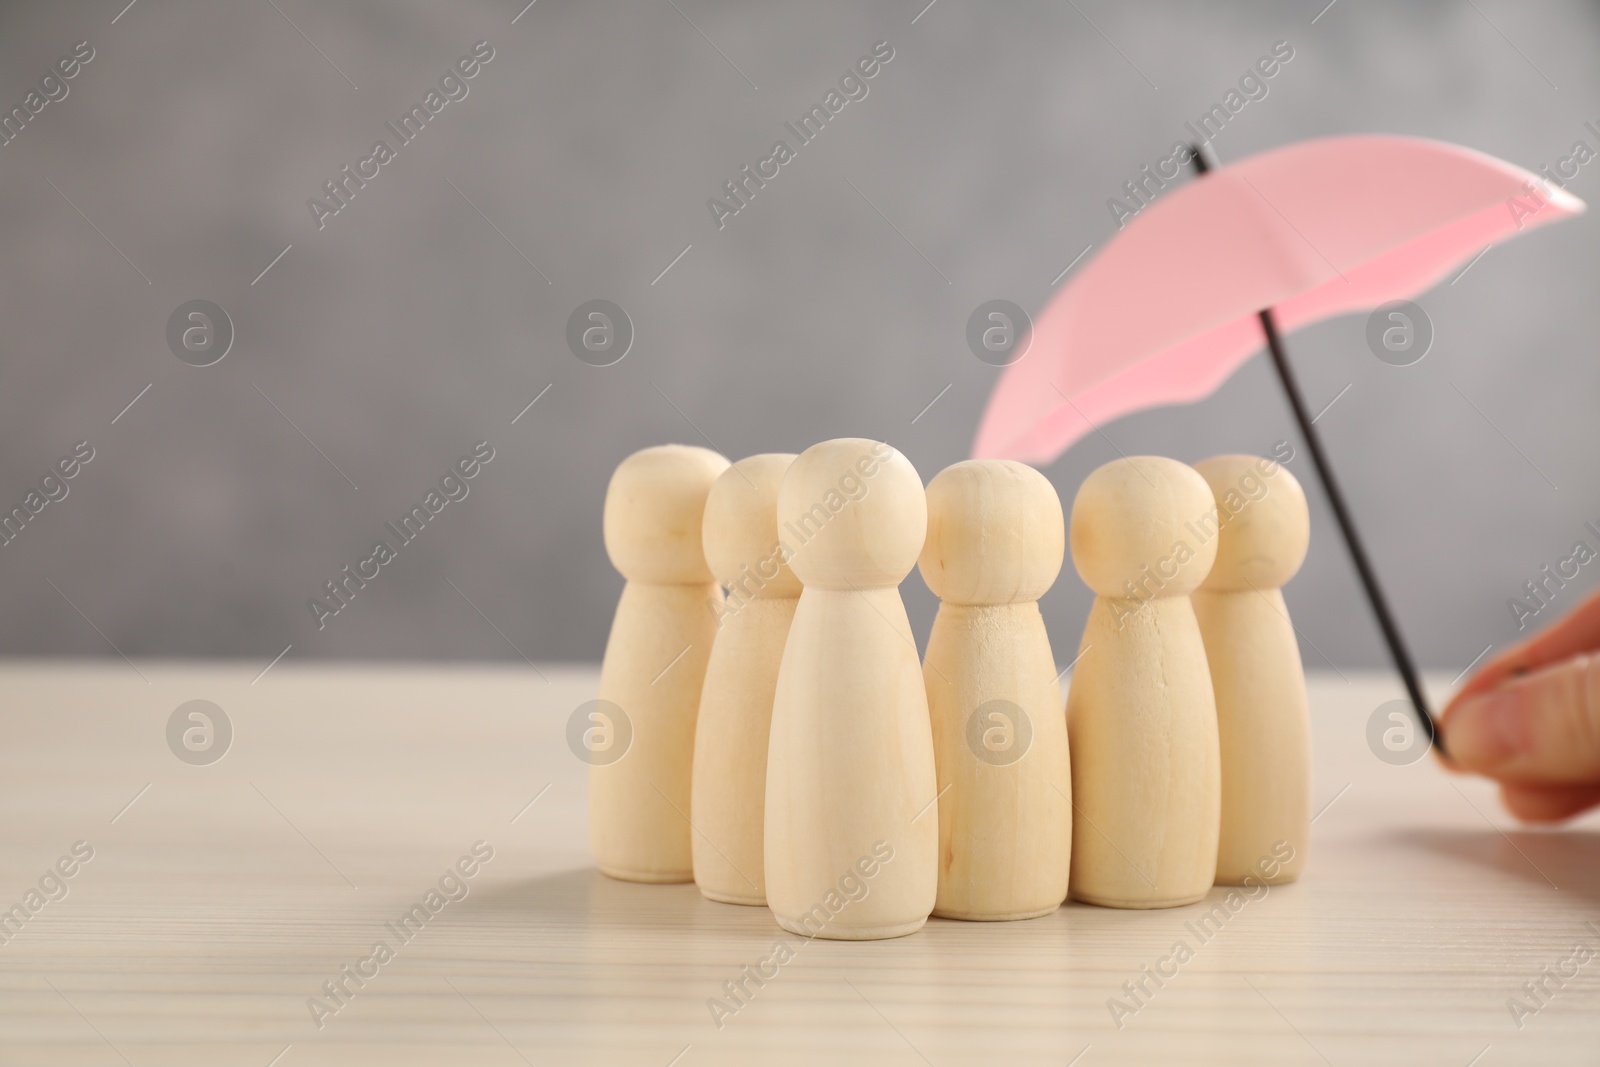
{"x": 408, "y": 328}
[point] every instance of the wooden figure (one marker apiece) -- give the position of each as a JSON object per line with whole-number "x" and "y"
{"x": 1141, "y": 716}
{"x": 850, "y": 778}
{"x": 655, "y": 661}
{"x": 729, "y": 790}
{"x": 996, "y": 539}
{"x": 1263, "y": 719}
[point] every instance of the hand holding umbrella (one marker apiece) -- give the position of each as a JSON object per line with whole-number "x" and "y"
{"x": 1530, "y": 718}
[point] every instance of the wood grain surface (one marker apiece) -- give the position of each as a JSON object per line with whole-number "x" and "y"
{"x": 220, "y": 898}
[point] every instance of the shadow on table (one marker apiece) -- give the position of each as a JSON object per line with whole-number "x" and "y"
{"x": 582, "y": 896}
{"x": 1567, "y": 859}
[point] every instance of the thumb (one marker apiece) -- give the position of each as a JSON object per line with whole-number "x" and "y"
{"x": 1539, "y": 728}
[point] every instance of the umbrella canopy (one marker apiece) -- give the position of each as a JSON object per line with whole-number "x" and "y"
{"x": 1171, "y": 306}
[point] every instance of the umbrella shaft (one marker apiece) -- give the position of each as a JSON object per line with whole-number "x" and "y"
{"x": 1369, "y": 581}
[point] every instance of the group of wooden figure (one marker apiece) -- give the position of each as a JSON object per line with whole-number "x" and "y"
{"x": 789, "y": 749}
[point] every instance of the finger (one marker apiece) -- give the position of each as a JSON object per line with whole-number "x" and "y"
{"x": 1539, "y": 729}
{"x": 1578, "y": 631}
{"x": 1548, "y": 803}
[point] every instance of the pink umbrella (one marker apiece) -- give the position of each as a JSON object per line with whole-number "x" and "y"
{"x": 1200, "y": 279}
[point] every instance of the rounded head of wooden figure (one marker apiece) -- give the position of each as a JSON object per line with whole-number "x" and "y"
{"x": 741, "y": 528}
{"x": 1265, "y": 526}
{"x": 996, "y": 534}
{"x": 852, "y": 514}
{"x": 1139, "y": 528}
{"x": 654, "y": 507}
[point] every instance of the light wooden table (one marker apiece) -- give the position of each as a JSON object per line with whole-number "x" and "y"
{"x": 223, "y": 897}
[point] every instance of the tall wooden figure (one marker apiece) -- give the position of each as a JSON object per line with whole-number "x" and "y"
{"x": 729, "y": 791}
{"x": 851, "y": 837}
{"x": 1141, "y": 716}
{"x": 995, "y": 544}
{"x": 1262, "y": 715}
{"x": 654, "y": 663}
